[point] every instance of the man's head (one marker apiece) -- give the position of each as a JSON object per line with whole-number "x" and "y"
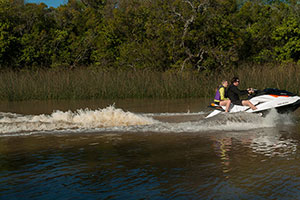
{"x": 235, "y": 81}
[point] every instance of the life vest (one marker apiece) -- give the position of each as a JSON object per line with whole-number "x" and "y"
{"x": 218, "y": 95}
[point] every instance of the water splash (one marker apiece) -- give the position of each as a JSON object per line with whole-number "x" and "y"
{"x": 80, "y": 119}
{"x": 114, "y": 119}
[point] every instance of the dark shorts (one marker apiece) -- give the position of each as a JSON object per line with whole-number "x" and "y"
{"x": 237, "y": 102}
{"x": 217, "y": 103}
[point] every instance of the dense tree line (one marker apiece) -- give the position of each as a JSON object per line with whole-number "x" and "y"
{"x": 152, "y": 34}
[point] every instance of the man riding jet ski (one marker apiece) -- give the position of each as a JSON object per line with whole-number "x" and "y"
{"x": 233, "y": 94}
{"x": 262, "y": 102}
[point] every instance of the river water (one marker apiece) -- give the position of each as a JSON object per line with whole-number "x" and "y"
{"x": 145, "y": 149}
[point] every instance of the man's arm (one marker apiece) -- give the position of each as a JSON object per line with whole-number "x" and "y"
{"x": 240, "y": 92}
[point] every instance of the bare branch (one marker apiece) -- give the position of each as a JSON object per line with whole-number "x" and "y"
{"x": 187, "y": 23}
{"x": 178, "y": 14}
{"x": 186, "y": 27}
{"x": 190, "y": 3}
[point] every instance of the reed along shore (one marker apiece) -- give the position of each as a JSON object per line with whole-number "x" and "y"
{"x": 89, "y": 83}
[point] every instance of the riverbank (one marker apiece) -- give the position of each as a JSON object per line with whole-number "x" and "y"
{"x": 88, "y": 83}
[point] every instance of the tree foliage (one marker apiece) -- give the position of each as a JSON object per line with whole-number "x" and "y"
{"x": 148, "y": 34}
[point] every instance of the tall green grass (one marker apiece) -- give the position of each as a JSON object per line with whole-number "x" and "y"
{"x": 95, "y": 84}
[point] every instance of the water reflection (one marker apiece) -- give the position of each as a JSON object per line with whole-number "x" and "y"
{"x": 259, "y": 144}
{"x": 275, "y": 145}
{"x": 223, "y": 147}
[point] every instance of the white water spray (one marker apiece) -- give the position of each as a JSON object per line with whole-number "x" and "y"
{"x": 117, "y": 120}
{"x": 81, "y": 119}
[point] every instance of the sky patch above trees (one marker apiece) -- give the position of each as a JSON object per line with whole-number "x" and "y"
{"x": 49, "y": 3}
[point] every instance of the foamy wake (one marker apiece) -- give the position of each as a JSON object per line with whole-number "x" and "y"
{"x": 81, "y": 119}
{"x": 117, "y": 120}
{"x": 222, "y": 122}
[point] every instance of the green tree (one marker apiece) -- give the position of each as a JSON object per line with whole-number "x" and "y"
{"x": 287, "y": 36}
{"x": 257, "y": 21}
{"x": 148, "y": 34}
{"x": 75, "y": 34}
{"x": 8, "y": 40}
{"x": 33, "y": 30}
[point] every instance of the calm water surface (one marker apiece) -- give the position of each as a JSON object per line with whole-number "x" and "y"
{"x": 145, "y": 149}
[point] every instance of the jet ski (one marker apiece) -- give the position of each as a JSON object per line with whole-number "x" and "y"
{"x": 265, "y": 100}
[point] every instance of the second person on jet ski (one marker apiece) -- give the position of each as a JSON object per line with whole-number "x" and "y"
{"x": 221, "y": 97}
{"x": 233, "y": 94}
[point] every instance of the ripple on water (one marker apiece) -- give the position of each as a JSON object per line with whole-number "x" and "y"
{"x": 165, "y": 160}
